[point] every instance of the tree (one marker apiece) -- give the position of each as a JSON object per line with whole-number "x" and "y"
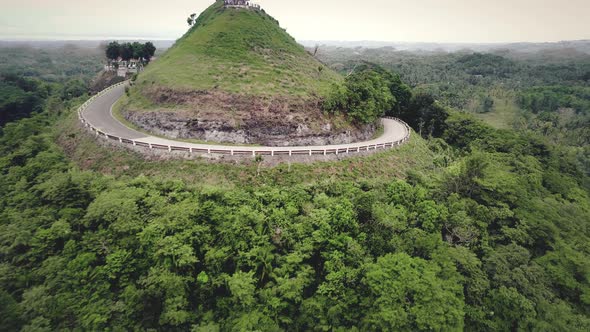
{"x": 425, "y": 115}
{"x": 369, "y": 93}
{"x": 129, "y": 51}
{"x": 368, "y": 96}
{"x": 9, "y": 312}
{"x": 113, "y": 50}
{"x": 461, "y": 130}
{"x": 126, "y": 51}
{"x": 191, "y": 19}
{"x": 138, "y": 50}
{"x": 487, "y": 104}
{"x": 242, "y": 288}
{"x": 19, "y": 98}
{"x": 149, "y": 50}
{"x": 399, "y": 89}
{"x": 406, "y": 293}
{"x": 511, "y": 310}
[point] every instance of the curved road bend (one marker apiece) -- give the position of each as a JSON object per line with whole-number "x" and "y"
{"x": 98, "y": 114}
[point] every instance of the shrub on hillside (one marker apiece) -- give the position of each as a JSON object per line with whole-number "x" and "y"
{"x": 368, "y": 94}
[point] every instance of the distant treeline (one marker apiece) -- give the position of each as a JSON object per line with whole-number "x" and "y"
{"x": 52, "y": 64}
{"x": 536, "y": 92}
{"x": 128, "y": 51}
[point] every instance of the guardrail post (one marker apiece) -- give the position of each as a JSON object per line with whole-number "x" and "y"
{"x": 358, "y": 149}
{"x": 120, "y": 140}
{"x": 208, "y": 151}
{"x": 253, "y": 153}
{"x": 169, "y": 148}
{"x": 232, "y": 152}
{"x": 310, "y": 152}
{"x": 150, "y": 144}
{"x": 290, "y": 153}
{"x": 134, "y": 143}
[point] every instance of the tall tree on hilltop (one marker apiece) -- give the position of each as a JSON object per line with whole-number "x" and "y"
{"x": 149, "y": 50}
{"x": 138, "y": 50}
{"x": 126, "y": 51}
{"x": 113, "y": 50}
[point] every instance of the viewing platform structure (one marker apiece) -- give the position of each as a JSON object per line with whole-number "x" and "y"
{"x": 240, "y": 4}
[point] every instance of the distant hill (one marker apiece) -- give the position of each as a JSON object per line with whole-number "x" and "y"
{"x": 578, "y": 45}
{"x": 89, "y": 44}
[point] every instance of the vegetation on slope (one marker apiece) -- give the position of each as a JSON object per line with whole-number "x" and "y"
{"x": 21, "y": 97}
{"x": 495, "y": 239}
{"x": 368, "y": 94}
{"x": 236, "y": 76}
{"x": 486, "y": 230}
{"x": 239, "y": 51}
{"x": 546, "y": 93}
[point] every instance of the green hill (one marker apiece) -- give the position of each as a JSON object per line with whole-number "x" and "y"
{"x": 240, "y": 51}
{"x": 237, "y": 76}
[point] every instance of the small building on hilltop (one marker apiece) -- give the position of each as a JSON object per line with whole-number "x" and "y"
{"x": 240, "y": 4}
{"x": 125, "y": 67}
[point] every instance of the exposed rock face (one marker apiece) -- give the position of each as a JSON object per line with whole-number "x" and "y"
{"x": 230, "y": 118}
{"x": 174, "y": 125}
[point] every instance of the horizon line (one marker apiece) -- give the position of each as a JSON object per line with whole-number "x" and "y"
{"x": 108, "y": 38}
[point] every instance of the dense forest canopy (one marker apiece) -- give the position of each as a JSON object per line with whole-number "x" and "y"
{"x": 511, "y": 90}
{"x": 493, "y": 235}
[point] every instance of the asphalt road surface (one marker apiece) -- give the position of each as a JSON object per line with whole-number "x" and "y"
{"x": 99, "y": 115}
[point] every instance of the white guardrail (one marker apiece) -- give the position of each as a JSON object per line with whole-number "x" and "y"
{"x": 235, "y": 151}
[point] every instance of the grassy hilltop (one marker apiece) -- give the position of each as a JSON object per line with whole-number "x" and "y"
{"x": 237, "y": 77}
{"x": 239, "y": 51}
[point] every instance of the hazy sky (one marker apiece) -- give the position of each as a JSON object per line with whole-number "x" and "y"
{"x": 382, "y": 20}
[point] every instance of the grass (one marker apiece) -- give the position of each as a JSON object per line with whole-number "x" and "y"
{"x": 504, "y": 111}
{"x": 379, "y": 132}
{"x": 83, "y": 150}
{"x": 503, "y": 114}
{"x": 239, "y": 51}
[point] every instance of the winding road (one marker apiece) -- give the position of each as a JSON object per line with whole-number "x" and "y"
{"x": 96, "y": 114}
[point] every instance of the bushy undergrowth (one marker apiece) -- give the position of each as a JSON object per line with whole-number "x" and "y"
{"x": 494, "y": 239}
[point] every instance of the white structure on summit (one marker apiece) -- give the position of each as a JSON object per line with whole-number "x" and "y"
{"x": 240, "y": 4}
{"x": 124, "y": 67}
